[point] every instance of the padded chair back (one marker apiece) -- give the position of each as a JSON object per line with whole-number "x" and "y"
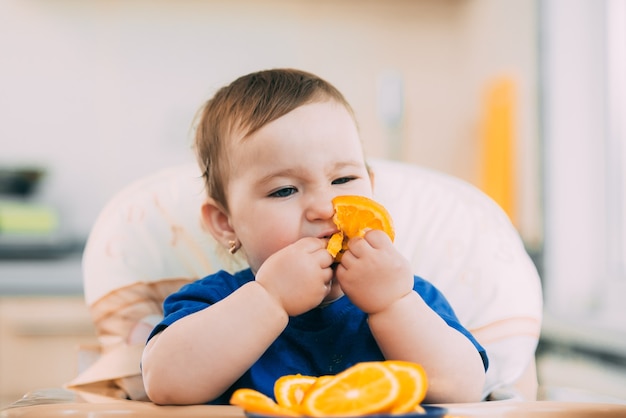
{"x": 149, "y": 241}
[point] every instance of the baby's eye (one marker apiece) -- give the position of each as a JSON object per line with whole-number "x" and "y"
{"x": 343, "y": 180}
{"x": 284, "y": 192}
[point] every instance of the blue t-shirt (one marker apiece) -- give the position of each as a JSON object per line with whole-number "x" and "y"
{"x": 323, "y": 341}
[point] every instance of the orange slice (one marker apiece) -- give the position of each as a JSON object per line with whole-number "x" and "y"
{"x": 322, "y": 380}
{"x": 413, "y": 386}
{"x": 335, "y": 245}
{"x": 419, "y": 409}
{"x": 258, "y": 403}
{"x": 290, "y": 389}
{"x": 354, "y": 216}
{"x": 365, "y": 388}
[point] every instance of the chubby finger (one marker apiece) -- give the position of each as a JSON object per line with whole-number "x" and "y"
{"x": 357, "y": 246}
{"x": 377, "y": 238}
{"x": 312, "y": 244}
{"x": 326, "y": 260}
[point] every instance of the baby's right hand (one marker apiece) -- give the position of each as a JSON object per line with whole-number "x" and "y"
{"x": 298, "y": 276}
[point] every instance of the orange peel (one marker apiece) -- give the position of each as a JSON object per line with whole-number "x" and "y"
{"x": 391, "y": 387}
{"x": 354, "y": 216}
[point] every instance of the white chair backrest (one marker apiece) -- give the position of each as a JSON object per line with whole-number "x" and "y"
{"x": 149, "y": 241}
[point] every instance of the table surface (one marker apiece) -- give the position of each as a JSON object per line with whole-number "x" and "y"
{"x": 63, "y": 403}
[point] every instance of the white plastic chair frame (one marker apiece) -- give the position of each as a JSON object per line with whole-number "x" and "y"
{"x": 148, "y": 241}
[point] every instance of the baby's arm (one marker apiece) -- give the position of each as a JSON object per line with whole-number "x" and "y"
{"x": 410, "y": 330}
{"x": 200, "y": 356}
{"x": 379, "y": 281}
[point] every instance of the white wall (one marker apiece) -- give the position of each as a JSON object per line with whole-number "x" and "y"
{"x": 575, "y": 134}
{"x": 103, "y": 91}
{"x": 585, "y": 278}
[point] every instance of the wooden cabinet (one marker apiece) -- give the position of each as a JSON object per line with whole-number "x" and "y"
{"x": 39, "y": 342}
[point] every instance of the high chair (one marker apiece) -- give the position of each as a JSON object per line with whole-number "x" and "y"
{"x": 149, "y": 241}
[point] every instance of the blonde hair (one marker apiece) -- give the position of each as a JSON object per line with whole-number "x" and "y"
{"x": 245, "y": 106}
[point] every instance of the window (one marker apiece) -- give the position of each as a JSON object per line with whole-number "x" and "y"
{"x": 584, "y": 114}
{"x": 616, "y": 135}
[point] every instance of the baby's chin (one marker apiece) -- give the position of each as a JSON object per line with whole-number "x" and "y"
{"x": 334, "y": 294}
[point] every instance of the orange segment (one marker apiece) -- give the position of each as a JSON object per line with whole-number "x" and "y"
{"x": 335, "y": 244}
{"x": 354, "y": 216}
{"x": 321, "y": 380}
{"x": 290, "y": 389}
{"x": 390, "y": 387}
{"x": 365, "y": 388}
{"x": 413, "y": 385}
{"x": 419, "y": 409}
{"x": 256, "y": 402}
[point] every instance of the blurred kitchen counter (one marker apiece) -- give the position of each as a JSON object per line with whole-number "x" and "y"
{"x": 43, "y": 316}
{"x": 582, "y": 359}
{"x": 40, "y": 338}
{"x": 59, "y": 275}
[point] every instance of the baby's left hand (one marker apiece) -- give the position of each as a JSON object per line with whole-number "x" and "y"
{"x": 373, "y": 274}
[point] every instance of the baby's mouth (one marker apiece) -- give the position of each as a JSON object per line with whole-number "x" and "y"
{"x": 328, "y": 235}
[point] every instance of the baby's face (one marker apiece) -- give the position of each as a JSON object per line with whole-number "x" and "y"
{"x": 284, "y": 176}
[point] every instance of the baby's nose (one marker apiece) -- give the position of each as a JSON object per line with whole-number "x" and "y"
{"x": 321, "y": 208}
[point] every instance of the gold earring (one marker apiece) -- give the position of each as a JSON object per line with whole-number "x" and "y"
{"x": 233, "y": 246}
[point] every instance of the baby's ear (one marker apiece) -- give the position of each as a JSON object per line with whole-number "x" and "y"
{"x": 217, "y": 222}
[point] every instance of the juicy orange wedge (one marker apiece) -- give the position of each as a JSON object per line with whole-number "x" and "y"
{"x": 365, "y": 388}
{"x": 354, "y": 216}
{"x": 258, "y": 403}
{"x": 289, "y": 390}
{"x": 413, "y": 386}
{"x": 391, "y": 387}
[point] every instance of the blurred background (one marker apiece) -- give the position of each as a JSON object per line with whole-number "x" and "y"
{"x": 95, "y": 94}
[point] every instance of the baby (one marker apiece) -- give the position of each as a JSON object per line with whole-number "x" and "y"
{"x": 275, "y": 147}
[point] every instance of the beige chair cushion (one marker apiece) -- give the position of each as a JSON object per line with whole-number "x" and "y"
{"x": 149, "y": 241}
